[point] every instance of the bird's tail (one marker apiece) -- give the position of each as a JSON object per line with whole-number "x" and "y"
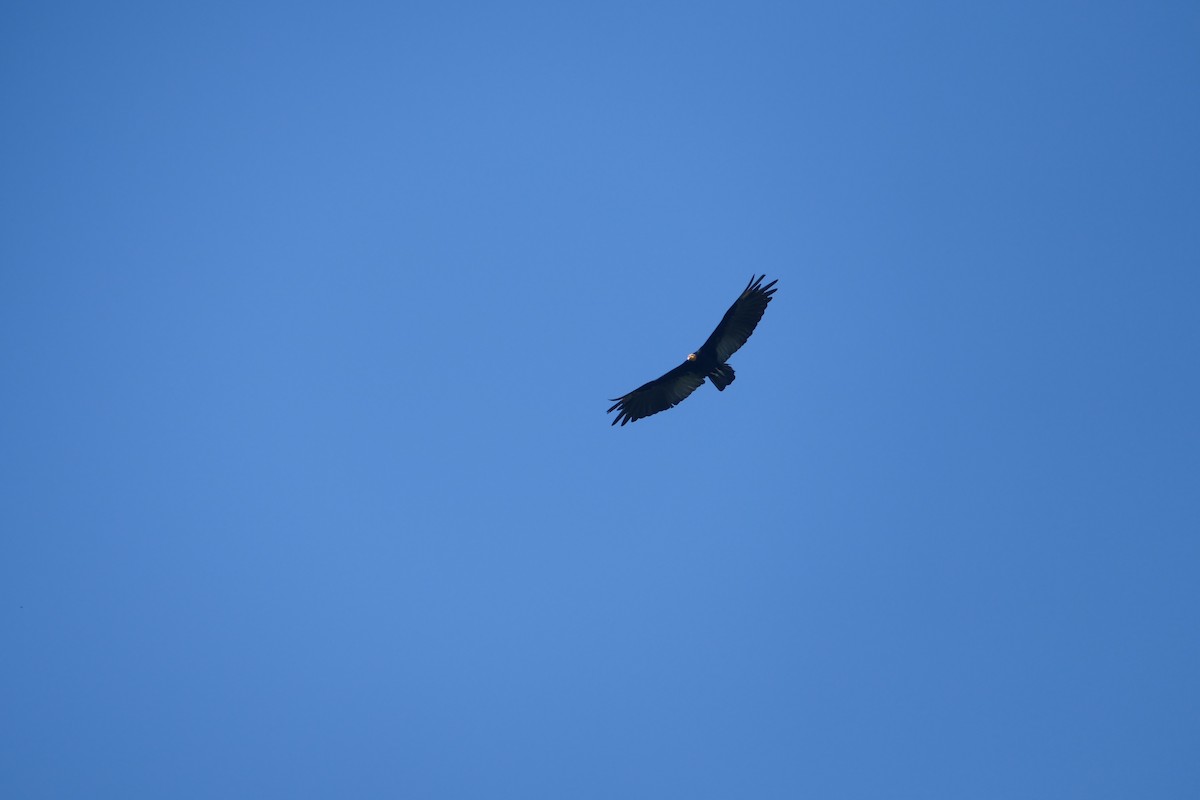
{"x": 722, "y": 376}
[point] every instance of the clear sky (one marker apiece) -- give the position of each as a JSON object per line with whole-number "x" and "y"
{"x": 309, "y": 314}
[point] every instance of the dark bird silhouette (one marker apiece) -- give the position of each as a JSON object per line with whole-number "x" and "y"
{"x": 708, "y": 362}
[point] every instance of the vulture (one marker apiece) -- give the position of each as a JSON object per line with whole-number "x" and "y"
{"x": 710, "y": 361}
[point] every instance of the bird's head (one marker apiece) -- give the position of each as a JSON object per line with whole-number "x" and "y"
{"x": 691, "y": 357}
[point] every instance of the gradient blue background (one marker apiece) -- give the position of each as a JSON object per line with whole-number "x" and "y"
{"x": 308, "y": 318}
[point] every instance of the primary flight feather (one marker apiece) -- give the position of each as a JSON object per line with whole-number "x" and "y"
{"x": 707, "y": 362}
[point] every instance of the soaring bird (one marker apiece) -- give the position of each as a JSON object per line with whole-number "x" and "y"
{"x": 708, "y": 362}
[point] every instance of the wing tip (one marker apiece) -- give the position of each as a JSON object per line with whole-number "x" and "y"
{"x": 755, "y": 286}
{"x": 622, "y": 415}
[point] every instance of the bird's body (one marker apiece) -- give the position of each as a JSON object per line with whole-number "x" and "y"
{"x": 710, "y": 361}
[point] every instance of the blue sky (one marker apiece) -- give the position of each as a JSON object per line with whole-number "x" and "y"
{"x": 309, "y": 314}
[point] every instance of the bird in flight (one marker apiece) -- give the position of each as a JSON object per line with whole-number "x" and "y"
{"x": 708, "y": 362}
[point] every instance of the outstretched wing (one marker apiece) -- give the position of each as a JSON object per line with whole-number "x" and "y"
{"x": 659, "y": 394}
{"x": 739, "y": 321}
